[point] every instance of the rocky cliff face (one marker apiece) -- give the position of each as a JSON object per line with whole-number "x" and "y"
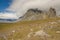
{"x": 35, "y": 14}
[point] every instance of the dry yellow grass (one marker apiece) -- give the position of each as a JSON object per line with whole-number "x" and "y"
{"x": 25, "y": 30}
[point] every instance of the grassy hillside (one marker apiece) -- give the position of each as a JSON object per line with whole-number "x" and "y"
{"x": 27, "y": 29}
{"x": 33, "y": 26}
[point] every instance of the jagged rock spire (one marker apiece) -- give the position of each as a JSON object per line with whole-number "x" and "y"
{"x": 35, "y": 14}
{"x": 52, "y": 12}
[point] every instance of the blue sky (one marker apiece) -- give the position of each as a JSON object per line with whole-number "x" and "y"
{"x": 4, "y": 4}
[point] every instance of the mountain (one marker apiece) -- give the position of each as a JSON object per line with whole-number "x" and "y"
{"x": 35, "y": 14}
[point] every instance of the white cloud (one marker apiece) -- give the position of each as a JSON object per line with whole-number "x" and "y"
{"x": 21, "y": 6}
{"x": 6, "y": 15}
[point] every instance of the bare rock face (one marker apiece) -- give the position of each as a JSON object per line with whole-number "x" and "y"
{"x": 51, "y": 12}
{"x": 35, "y": 14}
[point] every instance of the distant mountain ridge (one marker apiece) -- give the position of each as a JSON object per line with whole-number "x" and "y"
{"x": 35, "y": 14}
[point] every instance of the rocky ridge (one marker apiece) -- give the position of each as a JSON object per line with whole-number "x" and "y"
{"x": 35, "y": 14}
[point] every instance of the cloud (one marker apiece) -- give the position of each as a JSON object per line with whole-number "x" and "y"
{"x": 6, "y": 15}
{"x": 21, "y": 6}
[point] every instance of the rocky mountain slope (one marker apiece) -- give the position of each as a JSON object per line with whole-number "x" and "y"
{"x": 35, "y": 14}
{"x": 35, "y": 25}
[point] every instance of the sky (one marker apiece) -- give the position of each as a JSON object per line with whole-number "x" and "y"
{"x": 6, "y": 14}
{"x": 20, "y": 7}
{"x": 4, "y": 4}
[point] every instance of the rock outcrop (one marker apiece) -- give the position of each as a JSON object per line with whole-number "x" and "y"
{"x": 51, "y": 12}
{"x": 35, "y": 14}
